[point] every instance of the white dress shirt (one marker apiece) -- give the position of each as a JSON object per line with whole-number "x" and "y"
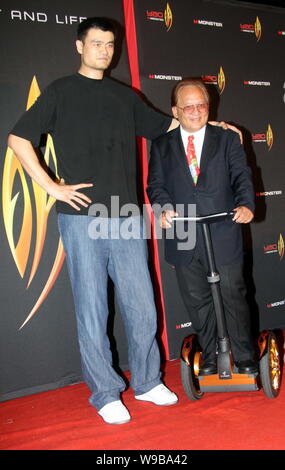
{"x": 198, "y": 141}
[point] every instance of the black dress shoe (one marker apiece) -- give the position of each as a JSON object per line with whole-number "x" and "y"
{"x": 208, "y": 368}
{"x": 247, "y": 367}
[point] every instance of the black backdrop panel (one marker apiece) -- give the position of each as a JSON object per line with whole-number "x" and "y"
{"x": 238, "y": 50}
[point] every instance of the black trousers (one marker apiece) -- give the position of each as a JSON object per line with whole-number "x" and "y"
{"x": 196, "y": 294}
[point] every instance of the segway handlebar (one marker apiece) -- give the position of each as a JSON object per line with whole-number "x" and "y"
{"x": 206, "y": 219}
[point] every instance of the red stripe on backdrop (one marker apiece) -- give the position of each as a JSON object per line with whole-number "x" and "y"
{"x": 131, "y": 39}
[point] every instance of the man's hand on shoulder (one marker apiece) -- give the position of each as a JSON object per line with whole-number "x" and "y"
{"x": 226, "y": 126}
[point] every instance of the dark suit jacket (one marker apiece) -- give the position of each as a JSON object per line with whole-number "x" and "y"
{"x": 223, "y": 184}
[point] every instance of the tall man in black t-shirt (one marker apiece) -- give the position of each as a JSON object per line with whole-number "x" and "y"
{"x": 94, "y": 121}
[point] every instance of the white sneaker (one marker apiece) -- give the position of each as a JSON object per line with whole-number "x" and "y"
{"x": 115, "y": 413}
{"x": 159, "y": 395}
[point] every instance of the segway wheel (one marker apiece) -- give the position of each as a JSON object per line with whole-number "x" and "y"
{"x": 270, "y": 368}
{"x": 189, "y": 381}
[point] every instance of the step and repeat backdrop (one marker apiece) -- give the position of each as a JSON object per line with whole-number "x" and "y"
{"x": 238, "y": 50}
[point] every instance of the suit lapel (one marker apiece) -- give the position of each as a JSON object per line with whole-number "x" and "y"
{"x": 178, "y": 151}
{"x": 209, "y": 147}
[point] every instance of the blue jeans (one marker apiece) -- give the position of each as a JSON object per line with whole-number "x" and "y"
{"x": 90, "y": 261}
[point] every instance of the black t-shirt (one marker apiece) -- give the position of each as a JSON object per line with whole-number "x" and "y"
{"x": 93, "y": 124}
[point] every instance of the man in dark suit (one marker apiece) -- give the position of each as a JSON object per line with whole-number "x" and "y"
{"x": 202, "y": 165}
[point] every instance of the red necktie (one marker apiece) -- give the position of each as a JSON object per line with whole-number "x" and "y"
{"x": 192, "y": 159}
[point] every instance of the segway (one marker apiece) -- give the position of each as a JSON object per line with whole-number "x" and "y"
{"x": 227, "y": 378}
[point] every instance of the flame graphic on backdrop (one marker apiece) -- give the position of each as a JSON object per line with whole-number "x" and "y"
{"x": 269, "y": 137}
{"x": 257, "y": 29}
{"x": 43, "y": 204}
{"x": 221, "y": 80}
{"x": 168, "y": 17}
{"x": 281, "y": 247}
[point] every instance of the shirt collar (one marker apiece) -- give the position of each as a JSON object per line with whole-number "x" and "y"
{"x": 198, "y": 134}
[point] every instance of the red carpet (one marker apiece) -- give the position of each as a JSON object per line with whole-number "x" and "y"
{"x": 63, "y": 419}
